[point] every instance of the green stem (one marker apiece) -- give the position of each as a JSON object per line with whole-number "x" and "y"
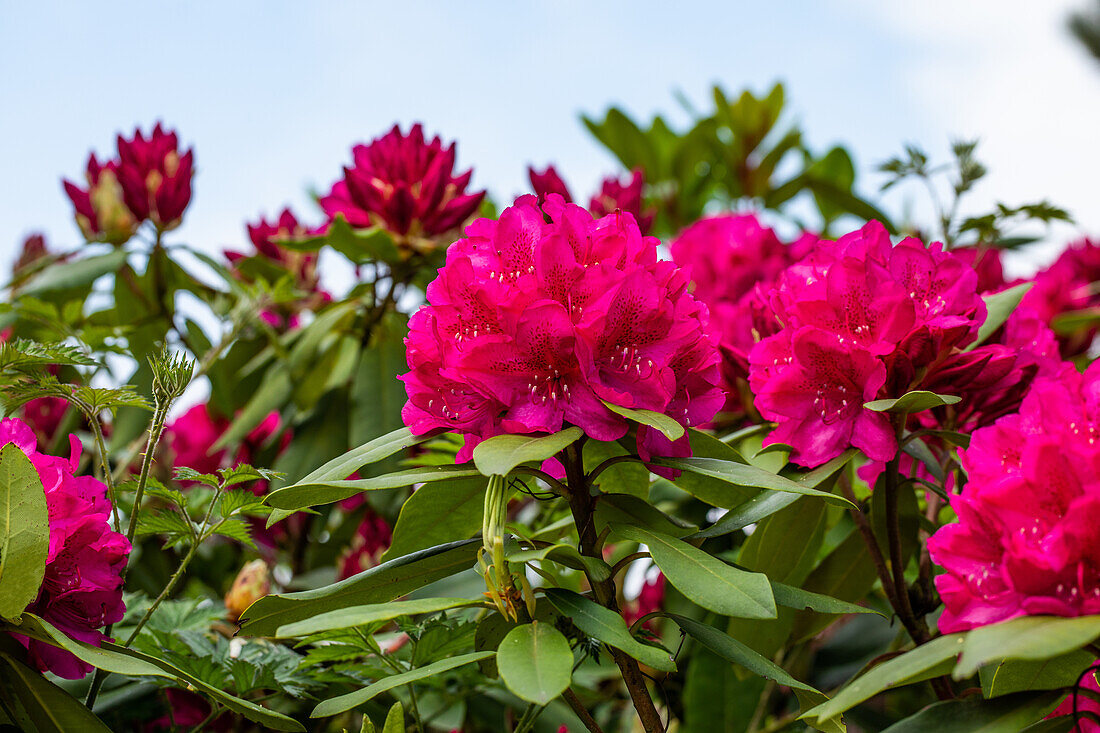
{"x": 101, "y": 448}
{"x": 156, "y": 429}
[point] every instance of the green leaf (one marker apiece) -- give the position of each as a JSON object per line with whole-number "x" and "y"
{"x": 498, "y": 455}
{"x": 1022, "y": 675}
{"x": 846, "y": 573}
{"x": 438, "y": 512}
{"x": 790, "y": 597}
{"x": 1009, "y": 714}
{"x": 395, "y": 719}
{"x": 370, "y": 452}
{"x": 729, "y": 648}
{"x": 346, "y": 618}
{"x": 847, "y": 201}
{"x": 362, "y": 245}
{"x": 49, "y": 708}
{"x": 704, "y": 579}
{"x": 273, "y": 393}
{"x": 535, "y": 662}
{"x": 915, "y": 401}
{"x": 625, "y": 509}
{"x": 716, "y": 492}
{"x": 379, "y": 584}
{"x": 929, "y": 660}
{"x": 999, "y": 306}
{"x": 303, "y": 494}
{"x": 567, "y": 555}
{"x": 24, "y": 532}
{"x": 740, "y": 474}
{"x": 76, "y": 274}
{"x": 607, "y": 626}
{"x": 120, "y": 660}
{"x": 1027, "y": 637}
{"x": 343, "y": 703}
{"x": 625, "y": 477}
{"x": 715, "y": 698}
{"x": 661, "y": 423}
{"x": 377, "y": 395}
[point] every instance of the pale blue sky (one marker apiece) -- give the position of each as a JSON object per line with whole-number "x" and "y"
{"x": 273, "y": 94}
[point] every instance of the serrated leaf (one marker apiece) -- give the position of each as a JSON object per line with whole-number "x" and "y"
{"x": 910, "y": 402}
{"x": 24, "y": 532}
{"x": 498, "y": 455}
{"x": 343, "y": 703}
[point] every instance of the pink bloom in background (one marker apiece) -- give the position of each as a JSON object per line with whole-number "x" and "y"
{"x": 34, "y": 250}
{"x": 733, "y": 260}
{"x": 539, "y": 318}
{"x": 191, "y": 435}
{"x": 650, "y": 598}
{"x": 615, "y": 194}
{"x": 81, "y": 592}
{"x": 1068, "y": 285}
{"x": 150, "y": 179}
{"x": 404, "y": 184}
{"x": 862, "y": 319}
{"x": 1084, "y": 704}
{"x": 155, "y": 176}
{"x": 1026, "y": 541}
{"x": 371, "y": 540}
{"x": 99, "y": 208}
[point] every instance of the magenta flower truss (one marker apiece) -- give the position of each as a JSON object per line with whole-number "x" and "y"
{"x": 1027, "y": 539}
{"x": 614, "y": 195}
{"x": 539, "y": 318}
{"x": 733, "y": 261}
{"x": 1068, "y": 285}
{"x": 150, "y": 179}
{"x": 858, "y": 320}
{"x": 82, "y": 590}
{"x": 404, "y": 184}
{"x": 155, "y": 176}
{"x": 371, "y": 540}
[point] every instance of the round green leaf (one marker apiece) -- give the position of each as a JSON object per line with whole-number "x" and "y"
{"x": 535, "y": 661}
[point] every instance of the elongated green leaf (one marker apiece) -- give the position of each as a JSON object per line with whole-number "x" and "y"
{"x": 704, "y": 579}
{"x": 729, "y": 648}
{"x": 303, "y": 494}
{"x": 716, "y": 492}
{"x": 804, "y": 600}
{"x": 1009, "y": 714}
{"x": 661, "y": 423}
{"x": 998, "y": 308}
{"x": 928, "y": 660}
{"x": 846, "y": 573}
{"x": 50, "y": 709}
{"x": 498, "y": 455}
{"x": 370, "y": 452}
{"x": 535, "y": 662}
{"x": 1022, "y": 675}
{"x": 625, "y": 477}
{"x": 395, "y": 719}
{"x": 439, "y": 512}
{"x": 379, "y": 584}
{"x": 343, "y": 703}
{"x": 614, "y": 509}
{"x": 767, "y": 503}
{"x": 274, "y": 392}
{"x": 567, "y": 555}
{"x": 346, "y": 618}
{"x": 1027, "y": 637}
{"x": 113, "y": 658}
{"x": 739, "y": 474}
{"x": 912, "y": 402}
{"x": 75, "y": 274}
{"x": 24, "y": 532}
{"x": 607, "y": 626}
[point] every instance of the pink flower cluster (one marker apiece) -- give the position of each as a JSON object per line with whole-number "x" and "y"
{"x": 733, "y": 261}
{"x": 82, "y": 589}
{"x": 371, "y": 540}
{"x": 1026, "y": 538}
{"x": 614, "y": 194}
{"x": 858, "y": 320}
{"x": 1068, "y": 285}
{"x": 404, "y": 184}
{"x": 539, "y": 318}
{"x": 150, "y": 179}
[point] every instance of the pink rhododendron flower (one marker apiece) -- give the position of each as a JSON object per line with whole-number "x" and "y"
{"x": 1084, "y": 703}
{"x": 81, "y": 592}
{"x": 99, "y": 209}
{"x": 155, "y": 176}
{"x": 733, "y": 260}
{"x": 539, "y": 318}
{"x": 614, "y": 195}
{"x": 1026, "y": 539}
{"x": 862, "y": 319}
{"x": 1068, "y": 285}
{"x": 649, "y": 599}
{"x": 404, "y": 184}
{"x": 371, "y": 540}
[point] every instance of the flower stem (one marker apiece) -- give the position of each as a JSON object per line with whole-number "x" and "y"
{"x": 582, "y": 504}
{"x": 156, "y": 429}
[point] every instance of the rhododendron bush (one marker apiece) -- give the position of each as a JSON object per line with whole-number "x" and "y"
{"x": 722, "y": 447}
